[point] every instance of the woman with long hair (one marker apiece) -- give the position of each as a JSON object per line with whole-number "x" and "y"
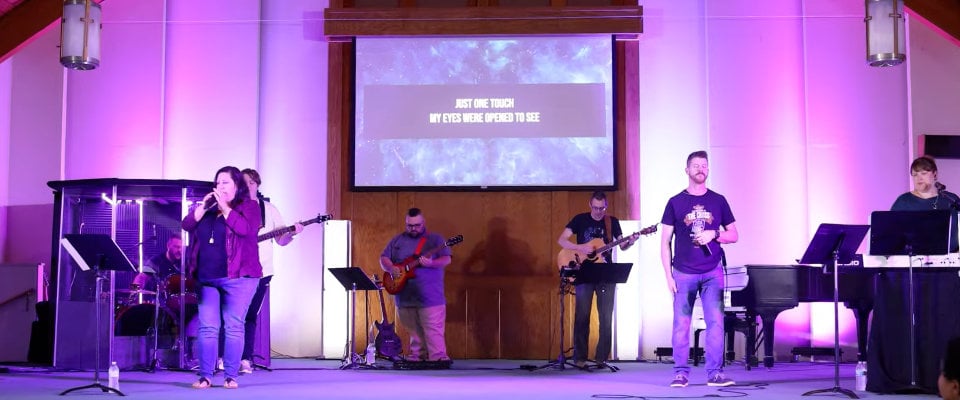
{"x": 225, "y": 261}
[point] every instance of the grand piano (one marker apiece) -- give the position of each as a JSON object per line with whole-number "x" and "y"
{"x": 881, "y": 285}
{"x": 771, "y": 289}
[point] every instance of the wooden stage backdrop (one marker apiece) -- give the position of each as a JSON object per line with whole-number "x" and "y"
{"x": 502, "y": 285}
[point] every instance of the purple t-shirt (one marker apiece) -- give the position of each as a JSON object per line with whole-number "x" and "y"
{"x": 426, "y": 289}
{"x": 689, "y": 214}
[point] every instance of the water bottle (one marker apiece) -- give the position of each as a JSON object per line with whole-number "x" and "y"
{"x": 371, "y": 354}
{"x": 861, "y": 374}
{"x": 113, "y": 376}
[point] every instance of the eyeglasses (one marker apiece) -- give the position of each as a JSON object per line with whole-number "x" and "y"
{"x": 411, "y": 226}
{"x": 598, "y": 208}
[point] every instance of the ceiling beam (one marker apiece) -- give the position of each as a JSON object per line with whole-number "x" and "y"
{"x": 24, "y": 21}
{"x": 945, "y": 14}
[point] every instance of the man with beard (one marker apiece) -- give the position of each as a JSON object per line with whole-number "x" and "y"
{"x": 164, "y": 264}
{"x": 695, "y": 217}
{"x": 421, "y": 303}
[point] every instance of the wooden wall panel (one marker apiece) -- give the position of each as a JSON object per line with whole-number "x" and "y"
{"x": 502, "y": 285}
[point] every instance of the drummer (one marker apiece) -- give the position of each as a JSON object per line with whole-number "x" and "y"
{"x": 164, "y": 265}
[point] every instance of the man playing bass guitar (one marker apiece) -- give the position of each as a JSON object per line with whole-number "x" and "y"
{"x": 421, "y": 303}
{"x": 589, "y": 226}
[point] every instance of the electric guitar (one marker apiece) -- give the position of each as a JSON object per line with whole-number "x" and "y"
{"x": 287, "y": 229}
{"x": 387, "y": 343}
{"x": 573, "y": 259}
{"x": 408, "y": 267}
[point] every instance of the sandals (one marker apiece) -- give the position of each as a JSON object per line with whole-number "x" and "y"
{"x": 201, "y": 383}
{"x": 204, "y": 383}
{"x": 230, "y": 383}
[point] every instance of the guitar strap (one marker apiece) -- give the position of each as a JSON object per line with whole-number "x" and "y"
{"x": 263, "y": 211}
{"x": 607, "y": 233}
{"x": 423, "y": 241}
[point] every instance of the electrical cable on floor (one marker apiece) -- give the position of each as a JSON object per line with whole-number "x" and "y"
{"x": 738, "y": 390}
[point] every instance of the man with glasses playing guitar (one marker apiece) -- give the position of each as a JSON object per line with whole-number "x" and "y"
{"x": 420, "y": 301}
{"x": 588, "y": 227}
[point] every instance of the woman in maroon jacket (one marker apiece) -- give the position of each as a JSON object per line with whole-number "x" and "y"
{"x": 225, "y": 261}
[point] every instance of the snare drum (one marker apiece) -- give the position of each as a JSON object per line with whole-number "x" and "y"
{"x": 180, "y": 292}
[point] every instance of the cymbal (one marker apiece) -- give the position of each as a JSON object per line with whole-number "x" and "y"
{"x": 128, "y": 291}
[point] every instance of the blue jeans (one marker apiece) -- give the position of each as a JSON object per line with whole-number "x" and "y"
{"x": 226, "y": 299}
{"x": 710, "y": 287}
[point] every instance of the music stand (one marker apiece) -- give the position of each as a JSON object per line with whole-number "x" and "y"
{"x": 97, "y": 252}
{"x": 831, "y": 245}
{"x": 353, "y": 279}
{"x": 910, "y": 233}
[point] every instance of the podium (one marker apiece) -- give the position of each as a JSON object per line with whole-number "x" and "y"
{"x": 96, "y": 252}
{"x": 831, "y": 245}
{"x": 596, "y": 273}
{"x": 910, "y": 233}
{"x": 353, "y": 279}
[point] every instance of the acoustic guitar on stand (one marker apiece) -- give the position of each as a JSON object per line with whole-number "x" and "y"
{"x": 408, "y": 267}
{"x": 287, "y": 229}
{"x": 572, "y": 259}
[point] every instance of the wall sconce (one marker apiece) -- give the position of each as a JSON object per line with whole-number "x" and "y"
{"x": 886, "y": 35}
{"x": 80, "y": 34}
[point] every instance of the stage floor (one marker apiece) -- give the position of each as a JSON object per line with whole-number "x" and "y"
{"x": 467, "y": 379}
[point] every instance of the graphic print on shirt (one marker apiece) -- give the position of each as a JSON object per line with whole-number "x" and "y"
{"x": 593, "y": 232}
{"x": 697, "y": 219}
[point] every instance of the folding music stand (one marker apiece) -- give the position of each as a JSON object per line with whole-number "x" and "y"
{"x": 910, "y": 233}
{"x": 97, "y": 252}
{"x": 834, "y": 244}
{"x": 353, "y": 279}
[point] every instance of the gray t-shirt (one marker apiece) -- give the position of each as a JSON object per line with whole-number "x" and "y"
{"x": 426, "y": 289}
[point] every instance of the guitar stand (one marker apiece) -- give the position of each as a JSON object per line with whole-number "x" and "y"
{"x": 562, "y": 361}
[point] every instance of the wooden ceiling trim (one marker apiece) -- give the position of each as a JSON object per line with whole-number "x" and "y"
{"x": 24, "y": 21}
{"x": 624, "y": 21}
{"x": 945, "y": 14}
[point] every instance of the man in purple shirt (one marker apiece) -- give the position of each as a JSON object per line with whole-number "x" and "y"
{"x": 693, "y": 266}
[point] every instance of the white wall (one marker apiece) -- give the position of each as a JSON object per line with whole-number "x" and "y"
{"x": 799, "y": 130}
{"x": 934, "y": 63}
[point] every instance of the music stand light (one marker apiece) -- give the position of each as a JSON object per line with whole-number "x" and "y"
{"x": 834, "y": 244}
{"x": 96, "y": 252}
{"x": 353, "y": 279}
{"x": 910, "y": 233}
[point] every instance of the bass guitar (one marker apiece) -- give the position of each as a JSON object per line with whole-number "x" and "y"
{"x": 408, "y": 267}
{"x": 287, "y": 229}
{"x": 572, "y": 258}
{"x": 387, "y": 343}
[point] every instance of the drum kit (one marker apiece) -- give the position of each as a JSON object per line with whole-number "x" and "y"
{"x": 158, "y": 314}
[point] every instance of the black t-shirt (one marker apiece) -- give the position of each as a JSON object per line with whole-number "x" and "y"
{"x": 212, "y": 238}
{"x": 586, "y": 229}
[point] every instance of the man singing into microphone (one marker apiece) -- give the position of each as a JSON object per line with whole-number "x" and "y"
{"x": 929, "y": 194}
{"x": 694, "y": 217}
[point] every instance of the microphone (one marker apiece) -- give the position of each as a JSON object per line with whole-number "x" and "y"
{"x": 209, "y": 204}
{"x": 940, "y": 187}
{"x": 706, "y": 250}
{"x": 703, "y": 247}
